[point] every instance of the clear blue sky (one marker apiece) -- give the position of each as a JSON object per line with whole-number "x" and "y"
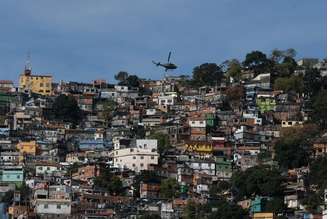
{"x": 82, "y": 40}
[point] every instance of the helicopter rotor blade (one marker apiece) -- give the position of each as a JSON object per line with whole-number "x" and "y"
{"x": 168, "y": 58}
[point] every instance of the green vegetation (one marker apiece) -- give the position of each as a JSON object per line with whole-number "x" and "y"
{"x": 150, "y": 216}
{"x": 66, "y": 109}
{"x": 121, "y": 76}
{"x": 258, "y": 180}
{"x": 293, "y": 149}
{"x": 217, "y": 188}
{"x": 286, "y": 84}
{"x": 257, "y": 62}
{"x": 319, "y": 113}
{"x": 126, "y": 79}
{"x": 318, "y": 173}
{"x": 169, "y": 188}
{"x": 234, "y": 69}
{"x": 110, "y": 182}
{"x": 109, "y": 108}
{"x": 218, "y": 208}
{"x": 163, "y": 141}
{"x": 207, "y": 74}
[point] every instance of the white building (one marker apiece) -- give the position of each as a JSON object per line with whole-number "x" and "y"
{"x": 197, "y": 123}
{"x": 53, "y": 206}
{"x": 53, "y": 201}
{"x": 47, "y": 169}
{"x": 286, "y": 124}
{"x": 167, "y": 99}
{"x": 138, "y": 157}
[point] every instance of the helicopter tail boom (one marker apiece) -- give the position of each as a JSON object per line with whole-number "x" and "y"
{"x": 157, "y": 63}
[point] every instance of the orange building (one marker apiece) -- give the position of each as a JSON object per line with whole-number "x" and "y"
{"x": 27, "y": 147}
{"x": 87, "y": 172}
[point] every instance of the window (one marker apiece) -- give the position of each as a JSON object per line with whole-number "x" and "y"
{"x": 131, "y": 149}
{"x": 152, "y": 157}
{"x": 133, "y": 165}
{"x": 58, "y": 206}
{"x": 141, "y": 157}
{"x": 134, "y": 157}
{"x": 41, "y": 84}
{"x": 47, "y": 84}
{"x": 45, "y": 205}
{"x": 48, "y": 168}
{"x": 18, "y": 176}
{"x": 141, "y": 164}
{"x": 290, "y": 123}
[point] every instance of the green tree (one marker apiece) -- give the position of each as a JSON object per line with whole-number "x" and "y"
{"x": 217, "y": 188}
{"x": 318, "y": 173}
{"x": 207, "y": 74}
{"x": 319, "y": 112}
{"x": 163, "y": 141}
{"x": 121, "y": 76}
{"x": 257, "y": 62}
{"x": 292, "y": 152}
{"x": 227, "y": 210}
{"x": 131, "y": 81}
{"x": 234, "y": 69}
{"x": 313, "y": 82}
{"x": 313, "y": 201}
{"x": 234, "y": 96}
{"x": 66, "y": 109}
{"x": 259, "y": 180}
{"x": 275, "y": 205}
{"x": 150, "y": 216}
{"x": 169, "y": 188}
{"x": 192, "y": 211}
{"x": 109, "y": 108}
{"x": 293, "y": 149}
{"x": 293, "y": 83}
{"x": 109, "y": 181}
{"x": 278, "y": 55}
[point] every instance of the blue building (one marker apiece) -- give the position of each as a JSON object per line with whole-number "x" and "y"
{"x": 12, "y": 175}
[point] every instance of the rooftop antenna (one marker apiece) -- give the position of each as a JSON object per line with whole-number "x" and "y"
{"x": 28, "y": 64}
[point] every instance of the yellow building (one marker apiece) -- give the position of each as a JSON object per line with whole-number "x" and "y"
{"x": 263, "y": 216}
{"x": 40, "y": 84}
{"x": 199, "y": 147}
{"x": 27, "y": 147}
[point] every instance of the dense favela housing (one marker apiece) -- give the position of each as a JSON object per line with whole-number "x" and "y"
{"x": 241, "y": 139}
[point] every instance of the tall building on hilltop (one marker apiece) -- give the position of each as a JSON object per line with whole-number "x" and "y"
{"x": 40, "y": 84}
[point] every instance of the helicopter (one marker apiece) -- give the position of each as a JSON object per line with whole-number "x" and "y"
{"x": 168, "y": 65}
